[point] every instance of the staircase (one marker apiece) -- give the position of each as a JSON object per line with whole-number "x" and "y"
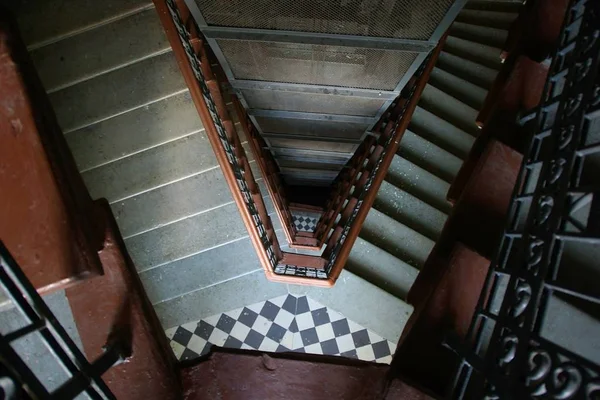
{"x": 411, "y": 208}
{"x": 137, "y": 139}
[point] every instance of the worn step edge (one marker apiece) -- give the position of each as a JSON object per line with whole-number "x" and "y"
{"x": 381, "y": 268}
{"x": 396, "y": 238}
{"x": 481, "y": 34}
{"x": 410, "y": 211}
{"x": 224, "y": 296}
{"x": 429, "y": 156}
{"x": 465, "y": 91}
{"x": 468, "y": 70}
{"x": 441, "y": 133}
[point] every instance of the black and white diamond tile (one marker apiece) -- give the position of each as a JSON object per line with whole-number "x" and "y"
{"x": 305, "y": 223}
{"x": 285, "y": 323}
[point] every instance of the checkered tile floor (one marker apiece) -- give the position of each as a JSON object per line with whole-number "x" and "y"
{"x": 305, "y": 223}
{"x": 286, "y": 323}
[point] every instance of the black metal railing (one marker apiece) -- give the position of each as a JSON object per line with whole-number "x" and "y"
{"x": 507, "y": 353}
{"x": 17, "y": 380}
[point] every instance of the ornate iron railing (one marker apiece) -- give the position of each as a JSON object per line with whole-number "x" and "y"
{"x": 17, "y": 381}
{"x": 505, "y": 354}
{"x": 188, "y": 46}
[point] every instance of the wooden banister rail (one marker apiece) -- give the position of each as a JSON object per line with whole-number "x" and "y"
{"x": 353, "y": 193}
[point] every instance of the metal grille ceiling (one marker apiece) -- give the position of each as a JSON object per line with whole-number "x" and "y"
{"x": 409, "y": 19}
{"x": 316, "y": 64}
{"x": 312, "y": 102}
{"x": 324, "y": 69}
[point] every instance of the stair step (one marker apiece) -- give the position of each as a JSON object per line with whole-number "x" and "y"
{"x": 476, "y": 52}
{"x": 381, "y": 268}
{"x": 481, "y": 34}
{"x": 410, "y": 211}
{"x": 396, "y": 238}
{"x": 493, "y": 5}
{"x": 362, "y": 302}
{"x": 151, "y": 169}
{"x": 428, "y": 156}
{"x": 32, "y": 350}
{"x": 43, "y": 22}
{"x": 469, "y": 70}
{"x": 171, "y": 202}
{"x": 200, "y": 270}
{"x": 449, "y": 108}
{"x": 494, "y": 19}
{"x": 441, "y": 132}
{"x": 187, "y": 237}
{"x": 100, "y": 50}
{"x": 470, "y": 94}
{"x": 418, "y": 182}
{"x": 234, "y": 293}
{"x": 117, "y": 92}
{"x": 133, "y": 132}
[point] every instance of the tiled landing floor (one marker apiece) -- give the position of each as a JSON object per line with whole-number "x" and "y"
{"x": 285, "y": 323}
{"x": 305, "y": 222}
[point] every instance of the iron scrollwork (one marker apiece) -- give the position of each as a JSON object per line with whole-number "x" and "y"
{"x": 518, "y": 361}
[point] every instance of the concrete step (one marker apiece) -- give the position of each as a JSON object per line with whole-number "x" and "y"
{"x": 465, "y": 91}
{"x": 100, "y": 50}
{"x": 151, "y": 169}
{"x": 43, "y": 22}
{"x": 176, "y": 201}
{"x": 117, "y": 92}
{"x": 471, "y": 71}
{"x": 133, "y": 132}
{"x": 395, "y": 238}
{"x": 228, "y": 295}
{"x": 418, "y": 182}
{"x": 187, "y": 237}
{"x": 473, "y": 51}
{"x": 494, "y": 19}
{"x": 171, "y": 202}
{"x": 428, "y": 156}
{"x": 201, "y": 270}
{"x": 381, "y": 268}
{"x": 449, "y": 108}
{"x": 481, "y": 34}
{"x": 410, "y": 211}
{"x": 362, "y": 302}
{"x": 441, "y": 132}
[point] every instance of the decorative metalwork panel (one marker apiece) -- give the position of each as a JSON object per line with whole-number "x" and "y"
{"x": 554, "y": 212}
